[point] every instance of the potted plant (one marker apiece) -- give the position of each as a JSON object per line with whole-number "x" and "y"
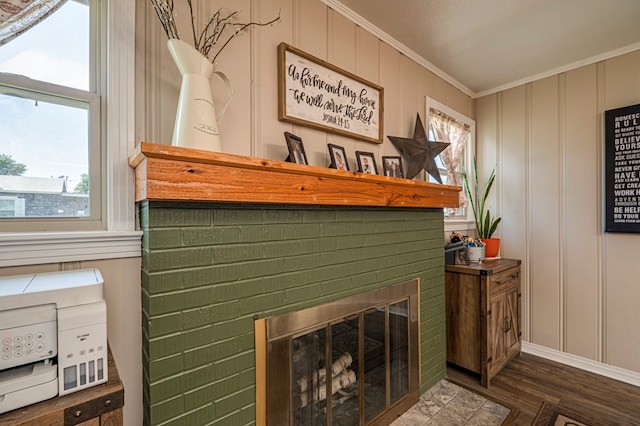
{"x": 485, "y": 224}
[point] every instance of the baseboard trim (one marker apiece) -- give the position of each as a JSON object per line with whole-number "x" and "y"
{"x": 616, "y": 373}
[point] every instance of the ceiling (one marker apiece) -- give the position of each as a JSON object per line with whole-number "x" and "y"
{"x": 482, "y": 46}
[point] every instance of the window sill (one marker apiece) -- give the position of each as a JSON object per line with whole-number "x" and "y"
{"x": 457, "y": 225}
{"x": 39, "y": 248}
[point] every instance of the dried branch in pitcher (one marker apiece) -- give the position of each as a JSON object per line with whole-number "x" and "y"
{"x": 215, "y": 36}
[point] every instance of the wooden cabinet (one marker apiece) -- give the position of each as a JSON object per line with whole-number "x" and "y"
{"x": 99, "y": 405}
{"x": 483, "y": 315}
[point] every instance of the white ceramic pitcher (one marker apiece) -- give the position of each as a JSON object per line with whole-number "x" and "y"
{"x": 196, "y": 124}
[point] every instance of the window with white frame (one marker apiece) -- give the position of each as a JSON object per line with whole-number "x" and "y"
{"x": 11, "y": 207}
{"x": 94, "y": 216}
{"x": 447, "y": 125}
{"x": 51, "y": 149}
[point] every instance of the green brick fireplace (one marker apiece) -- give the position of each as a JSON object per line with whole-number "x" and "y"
{"x": 209, "y": 270}
{"x": 229, "y": 241}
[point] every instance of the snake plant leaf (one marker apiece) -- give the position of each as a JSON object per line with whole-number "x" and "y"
{"x": 485, "y": 224}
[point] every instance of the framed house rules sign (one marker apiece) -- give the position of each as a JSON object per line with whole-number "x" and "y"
{"x": 314, "y": 93}
{"x": 622, "y": 169}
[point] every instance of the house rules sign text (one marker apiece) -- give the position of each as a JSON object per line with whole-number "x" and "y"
{"x": 622, "y": 169}
{"x": 314, "y": 93}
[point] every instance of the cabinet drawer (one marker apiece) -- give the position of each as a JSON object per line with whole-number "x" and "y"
{"x": 503, "y": 280}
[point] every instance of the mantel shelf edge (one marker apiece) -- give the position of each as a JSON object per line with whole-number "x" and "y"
{"x": 168, "y": 173}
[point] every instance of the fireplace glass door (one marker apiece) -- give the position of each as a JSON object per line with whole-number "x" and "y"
{"x": 350, "y": 368}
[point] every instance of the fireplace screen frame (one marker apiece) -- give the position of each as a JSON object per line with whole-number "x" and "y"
{"x": 278, "y": 332}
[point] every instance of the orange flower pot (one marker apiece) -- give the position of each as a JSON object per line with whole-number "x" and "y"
{"x": 492, "y": 247}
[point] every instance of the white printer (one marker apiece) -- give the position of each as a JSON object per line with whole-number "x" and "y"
{"x": 53, "y": 335}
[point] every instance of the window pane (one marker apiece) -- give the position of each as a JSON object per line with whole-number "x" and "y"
{"x": 44, "y": 154}
{"x": 457, "y": 132}
{"x": 8, "y": 207}
{"x": 55, "y": 50}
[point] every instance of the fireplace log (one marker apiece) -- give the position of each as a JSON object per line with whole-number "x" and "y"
{"x": 341, "y": 381}
{"x": 320, "y": 377}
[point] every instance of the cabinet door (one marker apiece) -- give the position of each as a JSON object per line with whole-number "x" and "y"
{"x": 512, "y": 321}
{"x": 495, "y": 334}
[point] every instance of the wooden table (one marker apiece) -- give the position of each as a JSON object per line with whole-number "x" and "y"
{"x": 95, "y": 406}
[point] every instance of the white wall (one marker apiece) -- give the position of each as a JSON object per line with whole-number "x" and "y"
{"x": 580, "y": 289}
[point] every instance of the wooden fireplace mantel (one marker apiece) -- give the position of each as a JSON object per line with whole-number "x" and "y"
{"x": 169, "y": 173}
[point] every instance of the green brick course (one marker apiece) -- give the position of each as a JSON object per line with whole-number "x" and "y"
{"x": 209, "y": 270}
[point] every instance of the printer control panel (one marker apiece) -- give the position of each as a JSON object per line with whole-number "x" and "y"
{"x": 27, "y": 335}
{"x": 82, "y": 334}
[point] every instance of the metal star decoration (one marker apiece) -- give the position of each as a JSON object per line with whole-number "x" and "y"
{"x": 418, "y": 152}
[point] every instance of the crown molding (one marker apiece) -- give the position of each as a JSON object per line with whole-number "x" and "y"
{"x": 362, "y": 22}
{"x": 560, "y": 70}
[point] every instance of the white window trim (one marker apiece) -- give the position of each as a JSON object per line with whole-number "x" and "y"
{"x": 39, "y": 248}
{"x": 120, "y": 239}
{"x": 468, "y": 223}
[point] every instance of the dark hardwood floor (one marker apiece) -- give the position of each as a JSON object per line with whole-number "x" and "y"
{"x": 528, "y": 381}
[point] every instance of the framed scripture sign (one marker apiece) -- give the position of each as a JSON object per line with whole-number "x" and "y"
{"x": 314, "y": 93}
{"x": 622, "y": 169}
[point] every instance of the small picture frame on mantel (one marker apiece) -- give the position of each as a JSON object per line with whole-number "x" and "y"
{"x": 296, "y": 149}
{"x": 366, "y": 163}
{"x": 338, "y": 157}
{"x": 392, "y": 166}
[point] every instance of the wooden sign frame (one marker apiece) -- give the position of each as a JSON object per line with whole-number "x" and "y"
{"x": 315, "y": 93}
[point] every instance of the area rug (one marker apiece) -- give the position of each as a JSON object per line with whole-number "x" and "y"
{"x": 553, "y": 415}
